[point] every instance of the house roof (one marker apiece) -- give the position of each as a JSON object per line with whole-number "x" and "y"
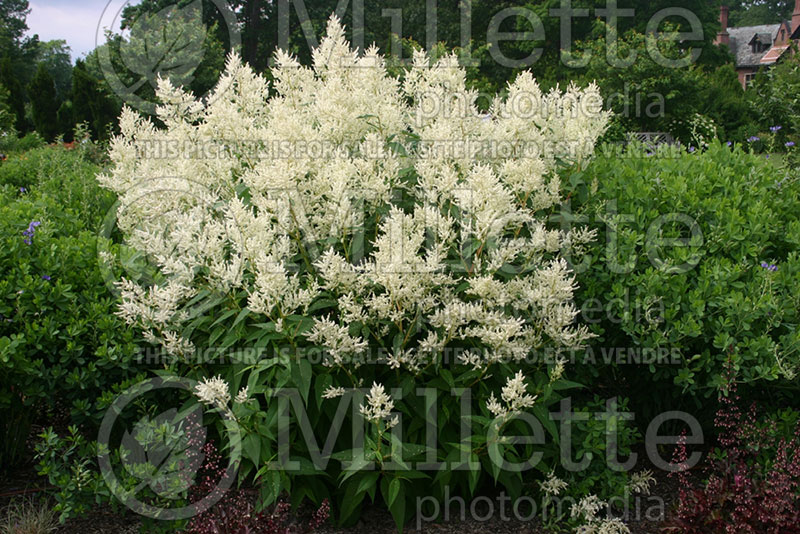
{"x": 773, "y": 54}
{"x": 741, "y": 37}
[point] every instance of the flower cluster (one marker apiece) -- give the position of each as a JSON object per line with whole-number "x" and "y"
{"x": 552, "y": 485}
{"x": 30, "y": 232}
{"x": 640, "y": 482}
{"x": 702, "y": 130}
{"x": 743, "y": 492}
{"x": 379, "y": 407}
{"x": 214, "y": 392}
{"x": 332, "y": 392}
{"x": 587, "y": 510}
{"x": 769, "y": 266}
{"x": 243, "y": 395}
{"x": 277, "y": 211}
{"x": 514, "y": 396}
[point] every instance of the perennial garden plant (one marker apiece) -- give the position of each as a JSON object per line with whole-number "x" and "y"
{"x": 376, "y": 243}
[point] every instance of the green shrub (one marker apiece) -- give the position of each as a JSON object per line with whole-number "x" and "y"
{"x": 12, "y": 143}
{"x": 68, "y": 463}
{"x": 63, "y": 177}
{"x": 61, "y": 344}
{"x": 706, "y": 299}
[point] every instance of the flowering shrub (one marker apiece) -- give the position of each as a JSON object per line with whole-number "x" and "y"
{"x": 385, "y": 226}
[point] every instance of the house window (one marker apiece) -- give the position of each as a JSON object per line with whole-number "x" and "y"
{"x": 748, "y": 78}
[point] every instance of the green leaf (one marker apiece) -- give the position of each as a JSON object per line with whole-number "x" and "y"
{"x": 394, "y": 490}
{"x": 251, "y": 447}
{"x": 242, "y": 314}
{"x": 368, "y": 480}
{"x": 301, "y": 376}
{"x": 350, "y": 501}
{"x": 544, "y": 417}
{"x": 559, "y": 385}
{"x": 398, "y": 505}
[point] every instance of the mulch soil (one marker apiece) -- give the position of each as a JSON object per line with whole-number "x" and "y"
{"x": 24, "y": 484}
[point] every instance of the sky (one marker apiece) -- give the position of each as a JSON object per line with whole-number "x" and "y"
{"x": 75, "y": 21}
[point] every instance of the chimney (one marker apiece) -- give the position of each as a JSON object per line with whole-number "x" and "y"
{"x": 723, "y": 37}
{"x": 796, "y": 15}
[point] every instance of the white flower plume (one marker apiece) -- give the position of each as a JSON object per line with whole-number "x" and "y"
{"x": 268, "y": 194}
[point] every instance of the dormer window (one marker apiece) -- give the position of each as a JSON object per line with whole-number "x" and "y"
{"x": 758, "y": 47}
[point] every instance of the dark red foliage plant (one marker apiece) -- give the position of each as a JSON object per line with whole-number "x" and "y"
{"x": 235, "y": 512}
{"x": 752, "y": 477}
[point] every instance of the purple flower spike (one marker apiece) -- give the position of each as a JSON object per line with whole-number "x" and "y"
{"x": 23, "y": 190}
{"x": 729, "y": 143}
{"x": 789, "y": 143}
{"x": 29, "y": 233}
{"x": 46, "y": 277}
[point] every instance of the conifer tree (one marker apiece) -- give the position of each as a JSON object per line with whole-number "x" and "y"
{"x": 44, "y": 105}
{"x": 16, "y": 93}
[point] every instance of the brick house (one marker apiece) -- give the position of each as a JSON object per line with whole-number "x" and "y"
{"x": 754, "y": 47}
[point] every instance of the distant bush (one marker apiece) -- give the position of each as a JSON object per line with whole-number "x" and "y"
{"x": 12, "y": 143}
{"x": 61, "y": 345}
{"x": 697, "y": 255}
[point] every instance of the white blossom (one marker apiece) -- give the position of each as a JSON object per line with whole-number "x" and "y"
{"x": 332, "y": 392}
{"x": 514, "y": 398}
{"x": 587, "y": 508}
{"x": 640, "y": 482}
{"x": 214, "y": 392}
{"x": 604, "y": 526}
{"x": 379, "y": 406}
{"x": 552, "y": 485}
{"x": 268, "y": 193}
{"x": 558, "y": 369}
{"x": 243, "y": 395}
